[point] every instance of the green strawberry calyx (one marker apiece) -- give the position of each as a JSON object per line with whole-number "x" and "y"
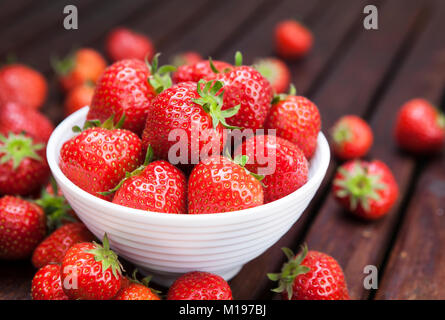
{"x": 65, "y": 65}
{"x": 266, "y": 68}
{"x": 56, "y": 207}
{"x": 159, "y": 77}
{"x": 341, "y": 133}
{"x": 238, "y": 59}
{"x": 148, "y": 159}
{"x": 283, "y": 96}
{"x": 441, "y": 120}
{"x": 108, "y": 258}
{"x": 242, "y": 160}
{"x": 212, "y": 102}
{"x": 290, "y": 271}
{"x": 18, "y": 147}
{"x": 107, "y": 124}
{"x": 359, "y": 186}
{"x": 145, "y": 281}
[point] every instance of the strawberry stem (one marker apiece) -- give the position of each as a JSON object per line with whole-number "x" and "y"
{"x": 103, "y": 253}
{"x": 159, "y": 78}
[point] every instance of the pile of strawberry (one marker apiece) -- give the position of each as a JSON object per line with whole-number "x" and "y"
{"x": 122, "y": 155}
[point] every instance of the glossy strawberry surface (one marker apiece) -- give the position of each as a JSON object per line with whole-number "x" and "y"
{"x": 123, "y": 88}
{"x": 199, "y": 286}
{"x": 173, "y": 112}
{"x": 47, "y": 284}
{"x": 246, "y": 87}
{"x": 86, "y": 275}
{"x": 123, "y": 43}
{"x": 17, "y": 118}
{"x": 199, "y": 70}
{"x": 23, "y": 85}
{"x": 292, "y": 39}
{"x": 22, "y": 227}
{"x": 136, "y": 291}
{"x": 97, "y": 159}
{"x": 160, "y": 187}
{"x": 296, "y": 119}
{"x": 284, "y": 164}
{"x": 366, "y": 189}
{"x": 217, "y": 184}
{"x": 54, "y": 247}
{"x": 352, "y": 137}
{"x": 420, "y": 127}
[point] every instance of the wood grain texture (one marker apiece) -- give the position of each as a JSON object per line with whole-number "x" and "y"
{"x": 355, "y": 243}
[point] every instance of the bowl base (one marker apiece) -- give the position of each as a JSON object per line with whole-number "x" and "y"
{"x": 167, "y": 278}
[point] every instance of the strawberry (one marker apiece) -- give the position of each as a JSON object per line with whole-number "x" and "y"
{"x": 367, "y": 189}
{"x": 78, "y": 98}
{"x": 311, "y": 275}
{"x": 46, "y": 284}
{"x": 286, "y": 165}
{"x": 420, "y": 127}
{"x": 123, "y": 43}
{"x": 16, "y": 118}
{"x": 199, "y": 70}
{"x": 22, "y": 227}
{"x": 296, "y": 119}
{"x": 84, "y": 65}
{"x": 23, "y": 166}
{"x": 54, "y": 247}
{"x": 275, "y": 71}
{"x": 91, "y": 271}
{"x": 97, "y": 159}
{"x": 351, "y": 137}
{"x": 245, "y": 86}
{"x": 186, "y": 58}
{"x": 199, "y": 285}
{"x": 125, "y": 88}
{"x": 218, "y": 184}
{"x": 292, "y": 39}
{"x": 193, "y": 109}
{"x": 157, "y": 186}
{"x": 133, "y": 289}
{"x": 23, "y": 85}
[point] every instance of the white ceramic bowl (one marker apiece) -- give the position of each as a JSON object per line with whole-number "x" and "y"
{"x": 168, "y": 245}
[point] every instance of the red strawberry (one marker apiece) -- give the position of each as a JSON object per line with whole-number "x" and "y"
{"x": 191, "y": 109}
{"x": 46, "y": 284}
{"x": 276, "y": 72}
{"x": 292, "y": 39}
{"x": 352, "y": 137}
{"x": 200, "y": 70}
{"x": 186, "y": 58}
{"x": 91, "y": 271}
{"x": 84, "y": 65}
{"x": 132, "y": 289}
{"x": 22, "y": 85}
{"x": 16, "y": 118}
{"x": 23, "y": 166}
{"x": 78, "y": 98}
{"x": 125, "y": 88}
{"x": 22, "y": 227}
{"x": 54, "y": 247}
{"x": 157, "y": 186}
{"x": 310, "y": 276}
{"x": 420, "y": 127}
{"x": 245, "y": 86}
{"x": 97, "y": 159}
{"x": 123, "y": 43}
{"x": 218, "y": 184}
{"x": 199, "y": 285}
{"x": 366, "y": 189}
{"x": 296, "y": 119}
{"x": 286, "y": 168}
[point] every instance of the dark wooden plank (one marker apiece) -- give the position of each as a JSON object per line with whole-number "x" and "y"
{"x": 214, "y": 28}
{"x": 251, "y": 282}
{"x": 15, "y": 280}
{"x": 10, "y": 10}
{"x": 36, "y": 24}
{"x": 416, "y": 268}
{"x": 356, "y": 244}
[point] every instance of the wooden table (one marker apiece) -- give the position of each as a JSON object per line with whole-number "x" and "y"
{"x": 350, "y": 70}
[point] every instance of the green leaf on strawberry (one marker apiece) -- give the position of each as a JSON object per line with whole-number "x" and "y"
{"x": 17, "y": 147}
